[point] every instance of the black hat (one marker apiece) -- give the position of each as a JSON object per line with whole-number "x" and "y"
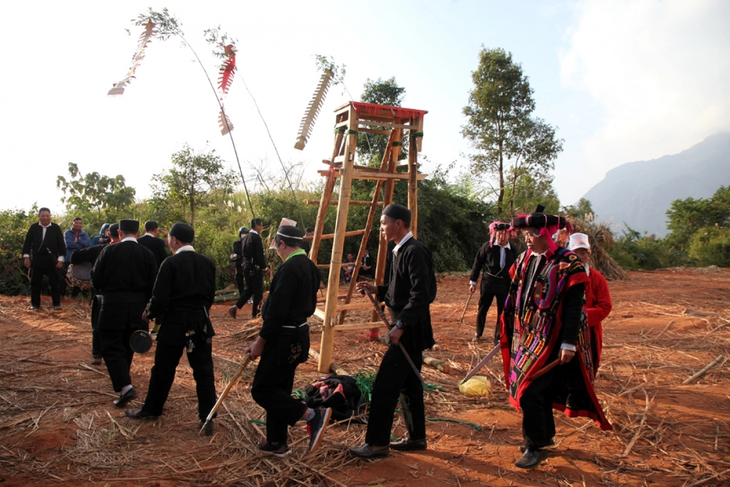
{"x": 398, "y": 212}
{"x": 499, "y": 226}
{"x": 114, "y": 230}
{"x": 243, "y": 230}
{"x": 289, "y": 231}
{"x": 128, "y": 226}
{"x": 183, "y": 232}
{"x": 538, "y": 219}
{"x": 150, "y": 226}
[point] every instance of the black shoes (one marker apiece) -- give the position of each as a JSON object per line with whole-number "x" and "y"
{"x": 531, "y": 458}
{"x": 33, "y": 308}
{"x": 139, "y": 413}
{"x": 232, "y": 311}
{"x": 96, "y": 361}
{"x": 367, "y": 451}
{"x": 276, "y": 449}
{"x": 57, "y": 307}
{"x": 551, "y": 444}
{"x": 316, "y": 427}
{"x": 406, "y": 444}
{"x": 125, "y": 397}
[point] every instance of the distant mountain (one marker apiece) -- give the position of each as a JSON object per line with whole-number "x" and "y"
{"x": 640, "y": 193}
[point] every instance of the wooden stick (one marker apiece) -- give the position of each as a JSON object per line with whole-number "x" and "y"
{"x": 638, "y": 432}
{"x": 225, "y": 392}
{"x": 461, "y": 320}
{"x": 437, "y": 364}
{"x": 720, "y": 358}
{"x": 546, "y": 369}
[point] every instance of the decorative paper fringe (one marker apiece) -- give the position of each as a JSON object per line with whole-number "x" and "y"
{"x": 144, "y": 39}
{"x": 310, "y": 115}
{"x": 228, "y": 69}
{"x": 224, "y": 123}
{"x": 225, "y": 78}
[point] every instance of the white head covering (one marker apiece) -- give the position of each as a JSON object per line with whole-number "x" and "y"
{"x": 579, "y": 241}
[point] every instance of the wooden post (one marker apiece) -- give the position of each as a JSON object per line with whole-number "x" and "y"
{"x": 333, "y": 283}
{"x": 412, "y": 180}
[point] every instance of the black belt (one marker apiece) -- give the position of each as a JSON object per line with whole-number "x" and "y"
{"x": 291, "y": 327}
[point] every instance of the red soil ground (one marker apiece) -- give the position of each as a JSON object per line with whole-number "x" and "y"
{"x": 58, "y": 425}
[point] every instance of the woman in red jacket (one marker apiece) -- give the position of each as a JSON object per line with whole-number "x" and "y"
{"x": 598, "y": 299}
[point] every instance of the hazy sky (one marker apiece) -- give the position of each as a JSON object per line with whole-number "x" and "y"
{"x": 623, "y": 80}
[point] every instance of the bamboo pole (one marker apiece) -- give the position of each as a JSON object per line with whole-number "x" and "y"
{"x": 333, "y": 282}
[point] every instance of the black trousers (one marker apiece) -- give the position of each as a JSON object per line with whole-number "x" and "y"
{"x": 167, "y": 358}
{"x": 117, "y": 322}
{"x": 36, "y": 282}
{"x": 271, "y": 389}
{"x": 485, "y": 301}
{"x": 395, "y": 377}
{"x": 95, "y": 309}
{"x": 536, "y": 402}
{"x": 239, "y": 280}
{"x": 254, "y": 287}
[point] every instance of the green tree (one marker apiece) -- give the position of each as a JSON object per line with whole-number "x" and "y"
{"x": 94, "y": 197}
{"x": 193, "y": 181}
{"x": 689, "y": 216}
{"x": 582, "y": 210}
{"x": 379, "y": 92}
{"x": 531, "y": 190}
{"x": 501, "y": 128}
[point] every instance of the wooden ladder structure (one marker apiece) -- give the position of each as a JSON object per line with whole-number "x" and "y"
{"x": 350, "y": 120}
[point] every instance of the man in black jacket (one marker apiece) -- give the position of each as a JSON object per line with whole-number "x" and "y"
{"x": 408, "y": 293}
{"x": 183, "y": 294}
{"x": 254, "y": 266}
{"x": 151, "y": 241}
{"x": 283, "y": 343}
{"x": 89, "y": 255}
{"x": 125, "y": 274}
{"x": 237, "y": 258}
{"x": 43, "y": 253}
{"x": 495, "y": 258}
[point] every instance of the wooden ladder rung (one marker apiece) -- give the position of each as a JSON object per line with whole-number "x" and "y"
{"x": 351, "y": 233}
{"x": 361, "y": 326}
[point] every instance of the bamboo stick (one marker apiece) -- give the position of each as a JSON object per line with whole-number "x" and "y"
{"x": 720, "y": 358}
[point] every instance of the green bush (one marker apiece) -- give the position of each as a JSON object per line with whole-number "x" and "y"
{"x": 711, "y": 246}
{"x": 14, "y": 225}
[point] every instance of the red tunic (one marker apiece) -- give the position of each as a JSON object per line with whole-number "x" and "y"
{"x": 598, "y": 306}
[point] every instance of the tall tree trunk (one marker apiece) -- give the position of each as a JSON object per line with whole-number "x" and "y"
{"x": 500, "y": 197}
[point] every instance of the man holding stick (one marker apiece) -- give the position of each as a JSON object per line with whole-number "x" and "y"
{"x": 283, "y": 344}
{"x": 544, "y": 324}
{"x": 407, "y": 294}
{"x": 183, "y": 294}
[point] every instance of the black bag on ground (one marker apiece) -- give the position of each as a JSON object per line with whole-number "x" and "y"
{"x": 338, "y": 392}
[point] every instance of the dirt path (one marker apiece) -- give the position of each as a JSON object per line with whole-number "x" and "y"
{"x": 58, "y": 425}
